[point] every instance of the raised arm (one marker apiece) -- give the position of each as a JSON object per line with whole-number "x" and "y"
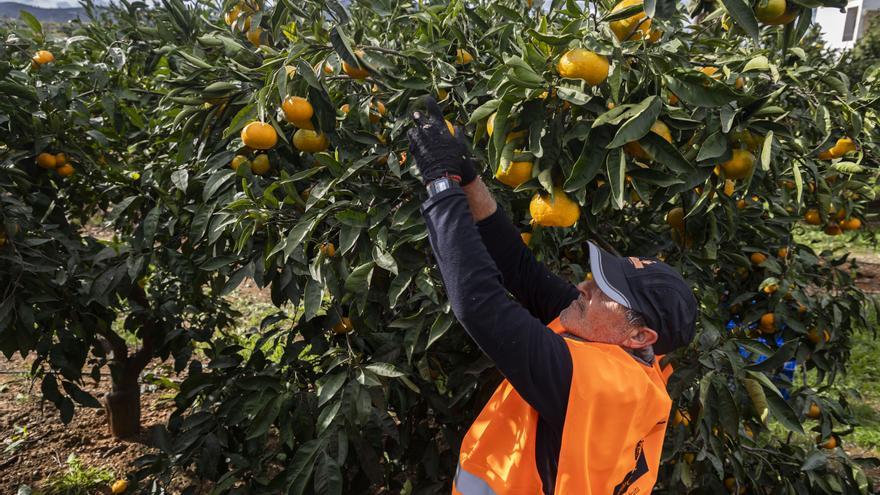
{"x": 542, "y": 292}
{"x": 532, "y": 357}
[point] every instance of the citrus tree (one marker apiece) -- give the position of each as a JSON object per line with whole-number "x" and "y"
{"x": 268, "y": 141}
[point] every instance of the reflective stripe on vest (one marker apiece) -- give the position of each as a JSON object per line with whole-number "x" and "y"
{"x": 470, "y": 484}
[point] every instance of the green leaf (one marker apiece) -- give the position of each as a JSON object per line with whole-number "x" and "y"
{"x": 358, "y": 281}
{"x": 698, "y": 90}
{"x": 300, "y": 468}
{"x": 385, "y": 369}
{"x": 259, "y": 426}
{"x": 484, "y": 111}
{"x": 666, "y": 154}
{"x": 616, "y": 172}
{"x": 744, "y": 17}
{"x": 443, "y": 322}
{"x": 782, "y": 411}
{"x": 32, "y": 23}
{"x": 328, "y": 476}
{"x": 312, "y": 296}
{"x": 639, "y": 124}
{"x": 760, "y": 63}
{"x": 766, "y": 151}
{"x": 352, "y": 218}
{"x": 327, "y": 415}
{"x": 715, "y": 146}
{"x": 328, "y": 385}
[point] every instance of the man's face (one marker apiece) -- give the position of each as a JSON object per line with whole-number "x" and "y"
{"x": 595, "y": 317}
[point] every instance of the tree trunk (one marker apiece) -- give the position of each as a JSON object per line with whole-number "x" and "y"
{"x": 123, "y": 406}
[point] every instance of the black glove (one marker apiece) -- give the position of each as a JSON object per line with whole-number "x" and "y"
{"x": 437, "y": 152}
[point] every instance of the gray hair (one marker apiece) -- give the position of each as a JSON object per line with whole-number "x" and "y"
{"x": 633, "y": 318}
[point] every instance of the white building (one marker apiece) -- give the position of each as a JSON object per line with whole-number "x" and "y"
{"x": 842, "y": 29}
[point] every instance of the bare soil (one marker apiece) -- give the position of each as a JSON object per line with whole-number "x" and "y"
{"x": 48, "y": 442}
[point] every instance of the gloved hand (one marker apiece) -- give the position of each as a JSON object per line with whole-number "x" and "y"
{"x": 437, "y": 152}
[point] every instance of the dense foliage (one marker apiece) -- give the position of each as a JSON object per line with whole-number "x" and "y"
{"x": 363, "y": 382}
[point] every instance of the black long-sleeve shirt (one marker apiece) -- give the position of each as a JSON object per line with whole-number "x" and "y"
{"x": 479, "y": 264}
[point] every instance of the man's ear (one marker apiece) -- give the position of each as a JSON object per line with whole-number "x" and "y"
{"x": 640, "y": 337}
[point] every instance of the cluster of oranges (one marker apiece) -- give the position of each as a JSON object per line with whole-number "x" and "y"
{"x": 239, "y": 17}
{"x": 57, "y": 162}
{"x": 837, "y": 220}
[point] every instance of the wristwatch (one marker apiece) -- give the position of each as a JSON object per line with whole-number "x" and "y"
{"x": 439, "y": 185}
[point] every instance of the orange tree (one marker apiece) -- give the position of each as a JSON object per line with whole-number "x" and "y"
{"x": 77, "y": 143}
{"x": 273, "y": 147}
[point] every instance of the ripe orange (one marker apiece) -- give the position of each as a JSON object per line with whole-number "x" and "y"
{"x": 730, "y": 485}
{"x": 758, "y": 258}
{"x": 740, "y": 203}
{"x": 782, "y": 252}
{"x": 310, "y": 141}
{"x": 526, "y": 237}
{"x": 710, "y": 71}
{"x": 675, "y": 218}
{"x": 815, "y": 337}
{"x": 814, "y": 411}
{"x": 516, "y": 173}
{"x": 739, "y": 83}
{"x": 852, "y": 224}
{"x": 729, "y": 187}
{"x": 260, "y": 165}
{"x": 328, "y": 249}
{"x": 259, "y": 135}
{"x": 583, "y": 64}
{"x": 355, "y": 72}
{"x": 812, "y": 217}
{"x": 450, "y": 127}
{"x": 60, "y": 159}
{"x": 463, "y": 57}
{"x": 829, "y": 444}
{"x": 238, "y": 161}
{"x": 636, "y": 26}
{"x": 344, "y": 326}
{"x": 825, "y": 155}
{"x": 767, "y": 323}
{"x": 833, "y": 229}
{"x": 843, "y": 146}
{"x": 770, "y": 288}
{"x": 785, "y": 18}
{"x": 377, "y": 110}
{"x": 554, "y": 211}
{"x": 46, "y": 160}
{"x": 65, "y": 170}
{"x": 254, "y": 35}
{"x": 43, "y": 57}
{"x": 231, "y": 16}
{"x": 740, "y": 164}
{"x": 672, "y": 98}
{"x": 681, "y": 418}
{"x": 119, "y": 486}
{"x": 328, "y": 69}
{"x": 297, "y": 108}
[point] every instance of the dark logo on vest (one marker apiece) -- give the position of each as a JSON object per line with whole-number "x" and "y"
{"x": 638, "y": 471}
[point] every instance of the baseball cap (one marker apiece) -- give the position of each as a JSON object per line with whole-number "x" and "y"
{"x": 652, "y": 288}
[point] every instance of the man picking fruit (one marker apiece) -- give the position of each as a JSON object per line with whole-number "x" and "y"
{"x": 584, "y": 407}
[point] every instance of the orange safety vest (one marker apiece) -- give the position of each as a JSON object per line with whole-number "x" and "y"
{"x": 611, "y": 442}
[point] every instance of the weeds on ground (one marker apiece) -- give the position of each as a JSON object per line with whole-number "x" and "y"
{"x": 77, "y": 480}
